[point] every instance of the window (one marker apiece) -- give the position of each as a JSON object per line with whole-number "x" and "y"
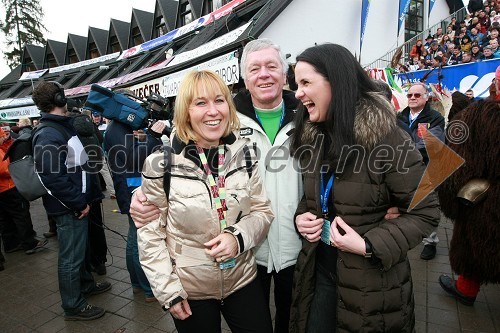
{"x": 185, "y": 14}
{"x": 160, "y": 27}
{"x": 208, "y": 7}
{"x": 93, "y": 51}
{"x": 136, "y": 37}
{"x": 114, "y": 44}
{"x": 414, "y": 22}
{"x": 72, "y": 57}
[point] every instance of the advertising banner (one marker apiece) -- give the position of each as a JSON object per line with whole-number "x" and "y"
{"x": 171, "y": 35}
{"x": 32, "y": 75}
{"x": 19, "y": 112}
{"x": 226, "y": 66}
{"x": 209, "y": 47}
{"x": 476, "y": 76}
{"x": 84, "y": 63}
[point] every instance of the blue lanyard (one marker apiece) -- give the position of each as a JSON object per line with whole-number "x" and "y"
{"x": 324, "y": 194}
{"x": 282, "y": 115}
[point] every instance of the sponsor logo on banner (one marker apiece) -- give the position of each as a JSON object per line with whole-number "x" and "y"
{"x": 246, "y": 131}
{"x": 32, "y": 75}
{"x": 209, "y": 47}
{"x": 84, "y": 63}
{"x": 476, "y": 76}
{"x": 16, "y": 113}
{"x": 226, "y": 66}
{"x": 171, "y": 35}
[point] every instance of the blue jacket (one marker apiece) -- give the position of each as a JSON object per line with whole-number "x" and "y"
{"x": 126, "y": 155}
{"x": 59, "y": 162}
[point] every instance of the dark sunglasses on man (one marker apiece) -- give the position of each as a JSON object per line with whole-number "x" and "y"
{"x": 417, "y": 95}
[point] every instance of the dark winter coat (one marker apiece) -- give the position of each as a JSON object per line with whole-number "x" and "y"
{"x": 429, "y": 116}
{"x": 60, "y": 164}
{"x": 373, "y": 295}
{"x": 475, "y": 245}
{"x": 126, "y": 156}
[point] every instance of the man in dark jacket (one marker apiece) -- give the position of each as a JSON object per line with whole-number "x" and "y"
{"x": 59, "y": 161}
{"x": 127, "y": 150}
{"x": 420, "y": 118}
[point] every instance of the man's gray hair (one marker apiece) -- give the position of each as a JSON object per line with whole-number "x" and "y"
{"x": 257, "y": 45}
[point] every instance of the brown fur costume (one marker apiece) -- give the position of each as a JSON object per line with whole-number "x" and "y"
{"x": 475, "y": 245}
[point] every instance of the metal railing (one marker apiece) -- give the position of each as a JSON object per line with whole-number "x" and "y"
{"x": 385, "y": 60}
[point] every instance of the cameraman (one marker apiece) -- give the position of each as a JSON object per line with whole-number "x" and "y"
{"x": 126, "y": 155}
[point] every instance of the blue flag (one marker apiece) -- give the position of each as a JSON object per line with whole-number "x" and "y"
{"x": 364, "y": 15}
{"x": 431, "y": 4}
{"x": 403, "y": 8}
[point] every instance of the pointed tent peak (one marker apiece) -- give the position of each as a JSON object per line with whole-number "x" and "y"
{"x": 144, "y": 21}
{"x": 58, "y": 49}
{"x": 33, "y": 55}
{"x": 78, "y": 44}
{"x": 169, "y": 10}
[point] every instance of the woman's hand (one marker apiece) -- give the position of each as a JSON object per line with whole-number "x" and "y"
{"x": 180, "y": 310}
{"x": 392, "y": 213}
{"x": 309, "y": 226}
{"x": 222, "y": 247}
{"x": 351, "y": 241}
{"x": 142, "y": 213}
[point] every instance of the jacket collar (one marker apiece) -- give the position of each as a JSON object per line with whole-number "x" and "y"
{"x": 244, "y": 105}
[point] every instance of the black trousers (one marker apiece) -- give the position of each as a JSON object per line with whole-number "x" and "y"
{"x": 15, "y": 221}
{"x": 283, "y": 282}
{"x": 245, "y": 311}
{"x": 98, "y": 246}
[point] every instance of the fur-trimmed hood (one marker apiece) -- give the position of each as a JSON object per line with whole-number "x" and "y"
{"x": 375, "y": 119}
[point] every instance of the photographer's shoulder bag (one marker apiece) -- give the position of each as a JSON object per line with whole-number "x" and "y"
{"x": 22, "y": 163}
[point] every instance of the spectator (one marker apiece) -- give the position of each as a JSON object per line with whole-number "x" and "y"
{"x": 476, "y": 54}
{"x": 15, "y": 219}
{"x": 422, "y": 64}
{"x": 455, "y": 58}
{"x": 71, "y": 191}
{"x": 428, "y": 42}
{"x": 487, "y": 53}
{"x": 493, "y": 34}
{"x": 434, "y": 48}
{"x": 450, "y": 32}
{"x": 470, "y": 94}
{"x": 475, "y": 35}
{"x": 179, "y": 249}
{"x": 445, "y": 42}
{"x": 437, "y": 62}
{"x": 494, "y": 48}
{"x": 466, "y": 58}
{"x": 127, "y": 150}
{"x": 329, "y": 296}
{"x": 416, "y": 50}
{"x": 454, "y": 24}
{"x": 427, "y": 58}
{"x": 484, "y": 20}
{"x": 466, "y": 20}
{"x": 466, "y": 44}
{"x": 421, "y": 118}
{"x": 438, "y": 35}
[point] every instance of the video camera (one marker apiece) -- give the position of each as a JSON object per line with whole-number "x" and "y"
{"x": 128, "y": 108}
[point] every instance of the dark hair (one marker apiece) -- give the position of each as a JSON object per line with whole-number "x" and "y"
{"x": 43, "y": 96}
{"x": 348, "y": 83}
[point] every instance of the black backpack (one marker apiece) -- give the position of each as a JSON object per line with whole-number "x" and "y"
{"x": 22, "y": 164}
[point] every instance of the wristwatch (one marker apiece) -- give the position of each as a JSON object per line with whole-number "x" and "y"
{"x": 368, "y": 248}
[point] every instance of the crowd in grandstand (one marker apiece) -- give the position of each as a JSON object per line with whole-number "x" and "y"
{"x": 475, "y": 38}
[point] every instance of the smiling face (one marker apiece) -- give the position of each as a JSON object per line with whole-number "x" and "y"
{"x": 265, "y": 78}
{"x": 314, "y": 91}
{"x": 208, "y": 116}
